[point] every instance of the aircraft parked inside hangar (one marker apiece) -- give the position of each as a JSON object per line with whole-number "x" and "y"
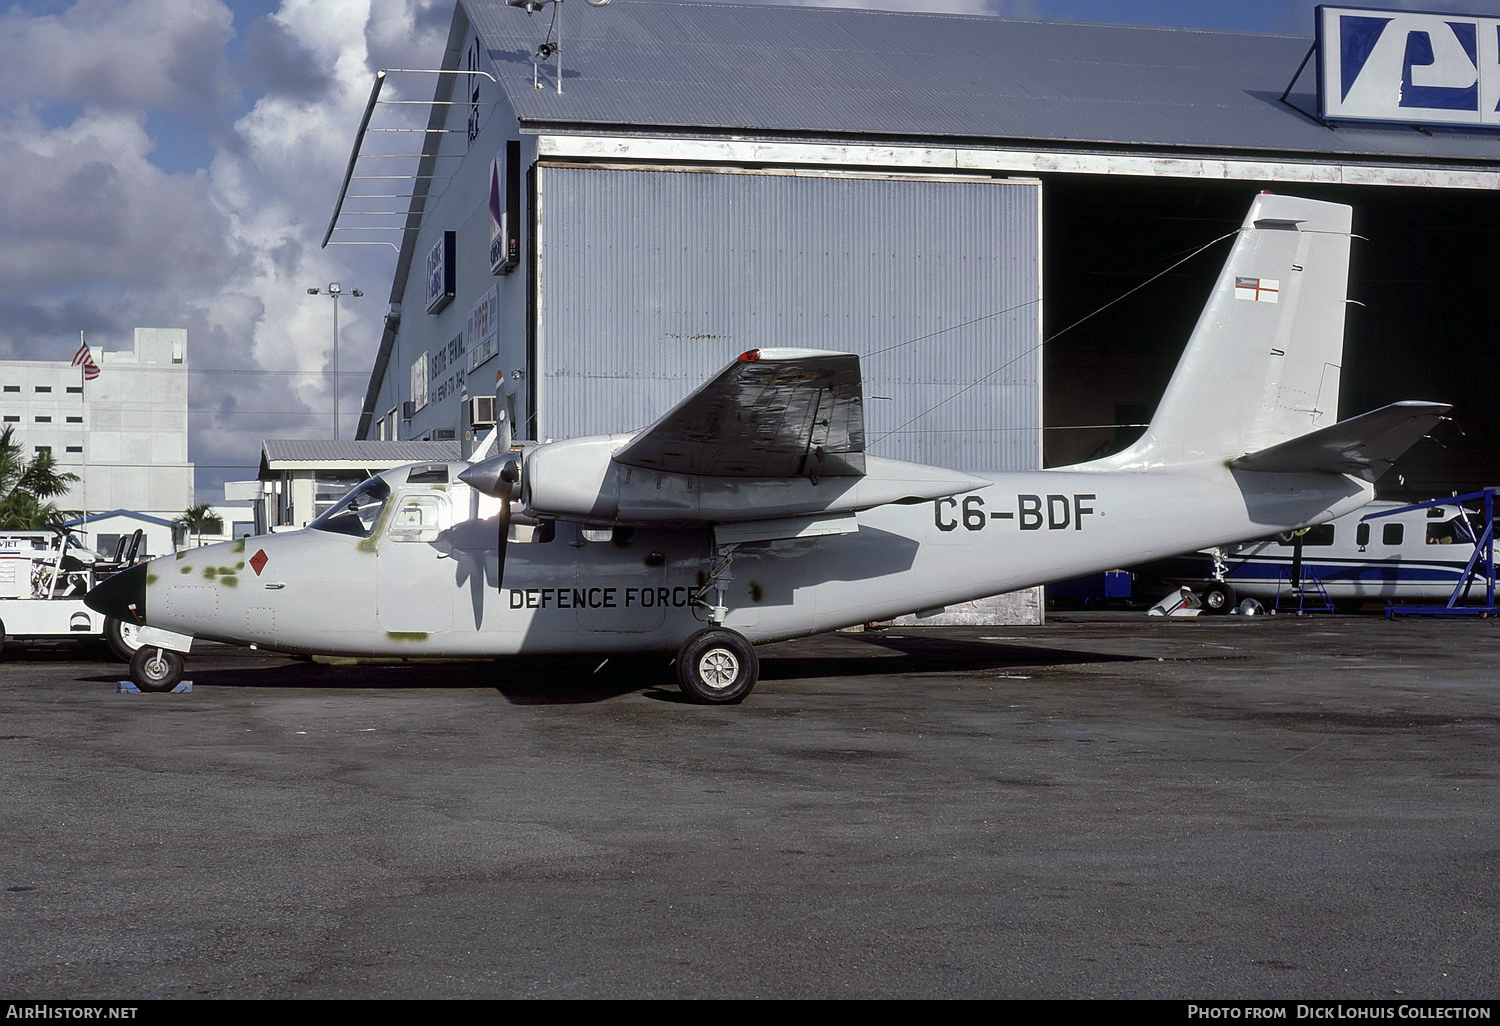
{"x": 1384, "y": 551}
{"x": 751, "y": 512}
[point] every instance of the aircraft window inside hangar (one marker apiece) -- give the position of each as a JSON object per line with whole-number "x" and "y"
{"x": 358, "y": 512}
{"x": 1320, "y": 535}
{"x": 1392, "y": 534}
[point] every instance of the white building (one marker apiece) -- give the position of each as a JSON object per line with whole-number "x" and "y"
{"x": 125, "y": 434}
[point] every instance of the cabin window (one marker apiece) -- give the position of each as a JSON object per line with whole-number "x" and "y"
{"x": 431, "y": 473}
{"x": 1392, "y": 534}
{"x": 1362, "y": 535}
{"x": 1319, "y": 535}
{"x": 330, "y": 487}
{"x": 358, "y": 512}
{"x": 1442, "y": 534}
{"x": 419, "y": 518}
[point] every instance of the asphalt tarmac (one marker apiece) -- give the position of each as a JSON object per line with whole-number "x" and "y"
{"x": 1106, "y": 806}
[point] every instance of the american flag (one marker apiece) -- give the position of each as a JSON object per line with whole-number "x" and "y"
{"x": 86, "y": 361}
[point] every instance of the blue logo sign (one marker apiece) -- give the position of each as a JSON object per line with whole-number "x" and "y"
{"x": 1408, "y": 67}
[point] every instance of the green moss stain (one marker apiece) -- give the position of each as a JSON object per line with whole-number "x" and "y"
{"x": 408, "y": 635}
{"x": 185, "y": 570}
{"x": 210, "y": 572}
{"x": 152, "y": 578}
{"x": 239, "y": 546}
{"x": 229, "y": 581}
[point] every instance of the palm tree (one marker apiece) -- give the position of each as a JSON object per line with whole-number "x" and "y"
{"x": 28, "y": 486}
{"x": 198, "y": 519}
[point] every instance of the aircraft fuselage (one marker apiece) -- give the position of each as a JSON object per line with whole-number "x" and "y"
{"x": 428, "y": 579}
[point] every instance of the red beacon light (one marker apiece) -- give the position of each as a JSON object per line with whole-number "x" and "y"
{"x": 750, "y": 356}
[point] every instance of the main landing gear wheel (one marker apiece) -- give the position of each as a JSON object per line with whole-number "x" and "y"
{"x": 717, "y": 667}
{"x": 157, "y": 669}
{"x": 1218, "y": 598}
{"x": 123, "y": 639}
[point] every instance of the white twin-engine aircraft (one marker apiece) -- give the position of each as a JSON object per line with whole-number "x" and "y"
{"x": 751, "y": 513}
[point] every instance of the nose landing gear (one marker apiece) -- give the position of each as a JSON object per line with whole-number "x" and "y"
{"x": 157, "y": 669}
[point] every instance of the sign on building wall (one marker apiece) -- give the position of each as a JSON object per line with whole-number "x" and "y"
{"x": 445, "y": 369}
{"x": 440, "y": 272}
{"x": 482, "y": 330}
{"x": 419, "y": 383}
{"x": 504, "y": 205}
{"x": 1409, "y": 67}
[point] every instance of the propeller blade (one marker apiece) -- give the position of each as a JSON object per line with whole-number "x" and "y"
{"x": 504, "y": 542}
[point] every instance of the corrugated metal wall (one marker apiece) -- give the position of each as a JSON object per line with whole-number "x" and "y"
{"x": 650, "y": 280}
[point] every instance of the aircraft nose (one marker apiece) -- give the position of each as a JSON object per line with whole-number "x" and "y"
{"x": 122, "y": 596}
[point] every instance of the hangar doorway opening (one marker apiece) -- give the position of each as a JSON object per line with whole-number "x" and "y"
{"x": 1428, "y": 326}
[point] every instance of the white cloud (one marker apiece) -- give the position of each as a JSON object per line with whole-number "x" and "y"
{"x": 124, "y": 54}
{"x": 84, "y": 203}
{"x": 96, "y": 234}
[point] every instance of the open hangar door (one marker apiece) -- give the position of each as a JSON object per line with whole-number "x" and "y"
{"x": 1428, "y": 326}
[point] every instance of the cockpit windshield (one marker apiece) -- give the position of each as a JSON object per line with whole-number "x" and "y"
{"x": 358, "y": 512}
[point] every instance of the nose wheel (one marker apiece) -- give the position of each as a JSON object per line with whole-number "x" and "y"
{"x": 717, "y": 667}
{"x": 157, "y": 669}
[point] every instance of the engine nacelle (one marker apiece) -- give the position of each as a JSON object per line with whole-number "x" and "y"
{"x": 574, "y": 479}
{"x": 580, "y": 480}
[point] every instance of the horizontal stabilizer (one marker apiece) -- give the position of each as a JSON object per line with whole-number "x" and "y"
{"x": 1363, "y": 446}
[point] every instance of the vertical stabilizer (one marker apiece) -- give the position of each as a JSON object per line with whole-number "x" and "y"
{"x": 1262, "y": 366}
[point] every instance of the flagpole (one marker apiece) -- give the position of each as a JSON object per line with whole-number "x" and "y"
{"x": 84, "y": 400}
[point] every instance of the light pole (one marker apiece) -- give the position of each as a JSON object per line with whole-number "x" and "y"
{"x": 333, "y": 291}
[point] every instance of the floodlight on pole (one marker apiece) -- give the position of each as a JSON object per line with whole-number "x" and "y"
{"x": 334, "y": 290}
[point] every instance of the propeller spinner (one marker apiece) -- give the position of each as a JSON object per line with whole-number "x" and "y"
{"x": 499, "y": 476}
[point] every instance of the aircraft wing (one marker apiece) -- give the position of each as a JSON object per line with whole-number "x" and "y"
{"x": 1363, "y": 446}
{"x": 773, "y": 413}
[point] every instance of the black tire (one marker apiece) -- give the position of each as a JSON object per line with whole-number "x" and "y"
{"x": 121, "y": 638}
{"x": 1218, "y": 598}
{"x": 717, "y": 667}
{"x": 157, "y": 669}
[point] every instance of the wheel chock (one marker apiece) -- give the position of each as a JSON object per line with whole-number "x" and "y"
{"x": 126, "y": 687}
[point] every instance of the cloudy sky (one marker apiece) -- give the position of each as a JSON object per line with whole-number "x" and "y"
{"x": 175, "y": 162}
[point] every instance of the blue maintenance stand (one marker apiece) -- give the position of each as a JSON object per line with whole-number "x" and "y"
{"x": 1481, "y": 565}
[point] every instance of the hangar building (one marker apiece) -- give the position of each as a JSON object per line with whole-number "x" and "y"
{"x": 994, "y": 213}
